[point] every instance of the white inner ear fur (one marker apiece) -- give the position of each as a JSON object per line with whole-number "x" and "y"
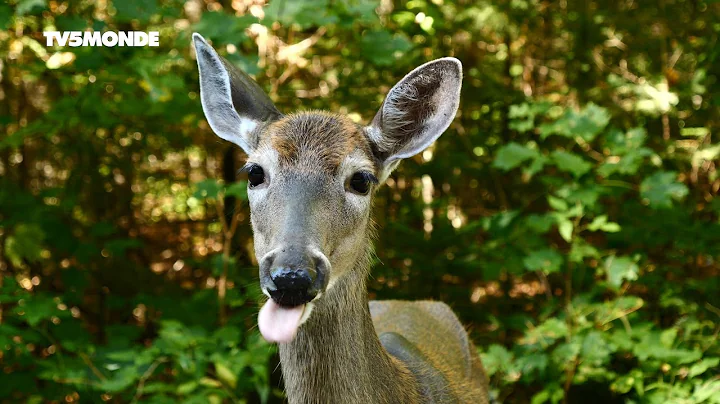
{"x": 216, "y": 97}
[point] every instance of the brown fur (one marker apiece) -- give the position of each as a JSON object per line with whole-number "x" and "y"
{"x": 321, "y": 138}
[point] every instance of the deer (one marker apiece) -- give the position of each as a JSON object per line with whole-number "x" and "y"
{"x": 312, "y": 176}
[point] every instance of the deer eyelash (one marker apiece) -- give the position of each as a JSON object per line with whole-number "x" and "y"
{"x": 246, "y": 168}
{"x": 369, "y": 177}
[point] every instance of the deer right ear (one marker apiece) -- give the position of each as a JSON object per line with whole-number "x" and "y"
{"x": 234, "y": 104}
{"x": 416, "y": 111}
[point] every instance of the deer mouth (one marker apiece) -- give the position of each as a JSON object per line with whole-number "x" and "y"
{"x": 279, "y": 323}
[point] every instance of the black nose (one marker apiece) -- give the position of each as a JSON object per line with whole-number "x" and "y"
{"x": 293, "y": 286}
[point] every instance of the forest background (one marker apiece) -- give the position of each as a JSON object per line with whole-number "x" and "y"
{"x": 570, "y": 214}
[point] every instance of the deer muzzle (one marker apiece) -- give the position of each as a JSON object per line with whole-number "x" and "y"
{"x": 292, "y": 281}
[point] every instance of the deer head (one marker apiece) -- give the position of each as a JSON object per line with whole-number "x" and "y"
{"x": 312, "y": 175}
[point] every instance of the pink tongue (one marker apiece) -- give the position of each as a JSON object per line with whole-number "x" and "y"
{"x": 279, "y": 324}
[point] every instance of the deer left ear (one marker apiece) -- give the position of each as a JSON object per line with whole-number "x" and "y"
{"x": 234, "y": 104}
{"x": 416, "y": 111}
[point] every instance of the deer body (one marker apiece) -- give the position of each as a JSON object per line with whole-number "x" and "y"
{"x": 311, "y": 179}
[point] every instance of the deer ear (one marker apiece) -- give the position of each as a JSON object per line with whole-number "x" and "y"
{"x": 416, "y": 111}
{"x": 234, "y": 104}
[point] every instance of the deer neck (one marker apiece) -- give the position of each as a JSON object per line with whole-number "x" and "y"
{"x": 337, "y": 357}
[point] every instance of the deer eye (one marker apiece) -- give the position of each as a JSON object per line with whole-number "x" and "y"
{"x": 256, "y": 175}
{"x": 360, "y": 182}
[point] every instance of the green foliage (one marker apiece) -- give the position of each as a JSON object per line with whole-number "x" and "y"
{"x": 569, "y": 215}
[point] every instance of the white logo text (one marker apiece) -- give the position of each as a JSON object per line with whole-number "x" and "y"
{"x": 108, "y": 39}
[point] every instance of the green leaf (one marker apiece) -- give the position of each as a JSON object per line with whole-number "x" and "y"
{"x": 624, "y": 383}
{"x": 140, "y": 10}
{"x": 24, "y": 243}
{"x": 661, "y": 188}
{"x": 590, "y": 122}
{"x": 247, "y": 63}
{"x": 546, "y": 260}
{"x": 558, "y": 204}
{"x": 120, "y": 246}
{"x": 496, "y": 359}
{"x": 596, "y": 349}
{"x": 176, "y": 334}
{"x": 520, "y": 111}
{"x": 226, "y": 375}
{"x": 6, "y": 16}
{"x": 530, "y": 364}
{"x": 580, "y": 250}
{"x": 383, "y": 48}
{"x": 522, "y": 117}
{"x": 539, "y": 223}
{"x": 71, "y": 23}
{"x": 537, "y": 165}
{"x": 601, "y": 223}
{"x": 620, "y": 269}
{"x": 224, "y": 28}
{"x": 694, "y": 132}
{"x": 709, "y": 153}
{"x": 521, "y": 125}
{"x": 120, "y": 380}
{"x": 700, "y": 367}
{"x": 30, "y": 6}
{"x": 238, "y": 190}
{"x": 187, "y": 388}
{"x": 571, "y": 163}
{"x": 546, "y": 332}
{"x": 586, "y": 124}
{"x": 208, "y": 188}
{"x": 630, "y": 163}
{"x": 707, "y": 391}
{"x": 565, "y": 227}
{"x": 37, "y": 308}
{"x": 302, "y": 13}
{"x": 512, "y": 155}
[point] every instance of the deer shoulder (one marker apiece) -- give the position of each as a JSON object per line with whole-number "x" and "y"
{"x": 428, "y": 338}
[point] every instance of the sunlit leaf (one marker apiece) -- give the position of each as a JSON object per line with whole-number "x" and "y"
{"x": 565, "y": 227}
{"x": 710, "y": 390}
{"x": 702, "y": 366}
{"x": 601, "y": 223}
{"x": 226, "y": 375}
